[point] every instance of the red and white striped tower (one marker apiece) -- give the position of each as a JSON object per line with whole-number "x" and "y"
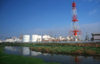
{"x": 75, "y": 31}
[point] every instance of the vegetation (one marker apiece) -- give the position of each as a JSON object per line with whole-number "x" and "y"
{"x": 74, "y": 50}
{"x": 62, "y": 48}
{"x": 95, "y": 44}
{"x": 15, "y": 59}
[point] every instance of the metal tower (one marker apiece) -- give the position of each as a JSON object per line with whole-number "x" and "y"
{"x": 75, "y": 29}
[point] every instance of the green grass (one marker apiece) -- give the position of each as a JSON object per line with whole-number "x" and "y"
{"x": 53, "y": 44}
{"x": 16, "y": 59}
{"x": 75, "y": 50}
{"x": 62, "y": 48}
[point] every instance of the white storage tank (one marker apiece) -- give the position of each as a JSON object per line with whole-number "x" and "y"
{"x": 36, "y": 38}
{"x": 26, "y": 38}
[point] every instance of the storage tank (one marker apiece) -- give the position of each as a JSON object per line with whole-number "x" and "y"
{"x": 26, "y": 38}
{"x": 36, "y": 38}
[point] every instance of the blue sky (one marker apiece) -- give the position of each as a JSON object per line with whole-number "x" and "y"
{"x": 46, "y": 16}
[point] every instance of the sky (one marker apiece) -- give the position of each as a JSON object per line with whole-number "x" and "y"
{"x": 47, "y": 17}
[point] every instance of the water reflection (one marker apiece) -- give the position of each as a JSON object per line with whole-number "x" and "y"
{"x": 25, "y": 51}
{"x": 96, "y": 57}
{"x": 63, "y": 59}
{"x": 13, "y": 50}
{"x": 77, "y": 59}
{"x": 34, "y": 53}
{"x": 21, "y": 51}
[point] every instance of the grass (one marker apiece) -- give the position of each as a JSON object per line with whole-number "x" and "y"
{"x": 16, "y": 59}
{"x": 95, "y": 44}
{"x": 74, "y": 50}
{"x": 62, "y": 48}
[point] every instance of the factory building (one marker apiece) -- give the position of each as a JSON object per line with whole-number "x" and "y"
{"x": 36, "y": 38}
{"x": 13, "y": 39}
{"x": 69, "y": 38}
{"x": 26, "y": 38}
{"x": 9, "y": 40}
{"x": 61, "y": 38}
{"x": 46, "y": 37}
{"x": 95, "y": 37}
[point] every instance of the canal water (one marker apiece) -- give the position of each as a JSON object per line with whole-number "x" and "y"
{"x": 63, "y": 59}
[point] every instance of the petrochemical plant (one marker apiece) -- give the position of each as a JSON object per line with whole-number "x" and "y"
{"x": 74, "y": 33}
{"x": 39, "y": 38}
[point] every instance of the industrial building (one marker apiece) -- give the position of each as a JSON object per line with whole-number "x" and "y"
{"x": 13, "y": 39}
{"x": 46, "y": 37}
{"x": 36, "y": 38}
{"x": 26, "y": 38}
{"x": 95, "y": 37}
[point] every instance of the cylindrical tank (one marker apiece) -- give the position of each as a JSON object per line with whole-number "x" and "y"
{"x": 26, "y": 38}
{"x": 36, "y": 38}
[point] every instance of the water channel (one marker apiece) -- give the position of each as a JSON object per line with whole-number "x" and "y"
{"x": 63, "y": 59}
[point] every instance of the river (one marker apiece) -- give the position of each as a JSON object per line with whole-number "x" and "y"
{"x": 63, "y": 59}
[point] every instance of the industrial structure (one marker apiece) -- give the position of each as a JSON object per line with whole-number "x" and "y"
{"x": 75, "y": 30}
{"x": 95, "y": 37}
{"x": 36, "y": 38}
{"x": 74, "y": 33}
{"x": 26, "y": 38}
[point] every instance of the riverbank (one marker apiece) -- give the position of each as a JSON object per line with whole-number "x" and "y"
{"x": 92, "y": 49}
{"x": 91, "y": 44}
{"x": 16, "y": 59}
{"x": 72, "y": 50}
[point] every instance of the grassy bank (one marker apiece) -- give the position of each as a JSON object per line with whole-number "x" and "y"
{"x": 74, "y": 50}
{"x": 15, "y": 59}
{"x": 96, "y": 44}
{"x": 62, "y": 48}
